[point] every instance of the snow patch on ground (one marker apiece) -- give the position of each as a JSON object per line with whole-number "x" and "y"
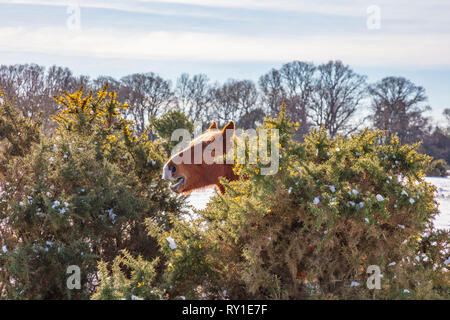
{"x": 442, "y": 221}
{"x": 199, "y": 199}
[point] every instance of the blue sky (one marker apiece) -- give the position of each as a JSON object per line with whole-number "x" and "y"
{"x": 240, "y": 39}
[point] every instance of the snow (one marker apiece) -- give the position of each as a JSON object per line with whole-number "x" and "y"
{"x": 172, "y": 243}
{"x": 199, "y": 199}
{"x": 442, "y": 221}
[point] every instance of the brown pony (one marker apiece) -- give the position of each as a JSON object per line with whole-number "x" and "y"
{"x": 189, "y": 175}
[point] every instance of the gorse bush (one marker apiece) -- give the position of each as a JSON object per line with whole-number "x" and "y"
{"x": 335, "y": 207}
{"x": 167, "y": 124}
{"x": 91, "y": 196}
{"x": 19, "y": 132}
{"x": 134, "y": 286}
{"x": 76, "y": 198}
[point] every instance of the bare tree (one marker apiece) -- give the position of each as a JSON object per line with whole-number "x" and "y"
{"x": 292, "y": 84}
{"x": 101, "y": 81}
{"x": 446, "y": 114}
{"x": 147, "y": 95}
{"x": 273, "y": 91}
{"x": 58, "y": 79}
{"x": 33, "y": 88}
{"x": 82, "y": 81}
{"x": 251, "y": 119}
{"x": 233, "y": 100}
{"x": 338, "y": 92}
{"x": 194, "y": 96}
{"x": 25, "y": 84}
{"x": 247, "y": 97}
{"x": 398, "y": 107}
{"x": 298, "y": 78}
{"x": 112, "y": 85}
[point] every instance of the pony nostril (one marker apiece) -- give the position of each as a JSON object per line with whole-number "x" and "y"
{"x": 173, "y": 169}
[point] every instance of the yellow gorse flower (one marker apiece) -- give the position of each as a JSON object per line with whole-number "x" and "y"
{"x": 111, "y": 138}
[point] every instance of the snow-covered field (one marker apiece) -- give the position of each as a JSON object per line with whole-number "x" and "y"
{"x": 199, "y": 199}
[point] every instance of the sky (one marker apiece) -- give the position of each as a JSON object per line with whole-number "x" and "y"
{"x": 240, "y": 39}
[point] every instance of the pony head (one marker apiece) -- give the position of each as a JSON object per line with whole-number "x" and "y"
{"x": 201, "y": 164}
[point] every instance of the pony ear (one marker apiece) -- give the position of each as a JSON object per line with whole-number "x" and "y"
{"x": 228, "y": 134}
{"x": 213, "y": 126}
{"x": 229, "y": 126}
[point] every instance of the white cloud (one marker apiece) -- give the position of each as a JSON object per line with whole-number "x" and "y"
{"x": 391, "y": 9}
{"x": 120, "y": 5}
{"x": 432, "y": 11}
{"x": 346, "y": 7}
{"x": 370, "y": 49}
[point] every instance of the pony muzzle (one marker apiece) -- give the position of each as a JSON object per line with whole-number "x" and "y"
{"x": 179, "y": 182}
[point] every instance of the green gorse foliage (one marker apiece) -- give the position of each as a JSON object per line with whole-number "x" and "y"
{"x": 77, "y": 198}
{"x": 335, "y": 207}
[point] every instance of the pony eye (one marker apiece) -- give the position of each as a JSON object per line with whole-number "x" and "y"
{"x": 173, "y": 169}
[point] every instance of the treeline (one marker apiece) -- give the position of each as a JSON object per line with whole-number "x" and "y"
{"x": 330, "y": 95}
